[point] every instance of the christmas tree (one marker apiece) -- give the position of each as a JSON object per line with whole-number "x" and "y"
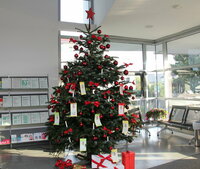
{"x": 89, "y": 106}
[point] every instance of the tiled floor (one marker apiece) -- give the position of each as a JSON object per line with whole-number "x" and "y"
{"x": 150, "y": 151}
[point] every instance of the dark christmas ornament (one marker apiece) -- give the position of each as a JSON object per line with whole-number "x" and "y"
{"x": 92, "y": 111}
{"x": 75, "y": 47}
{"x": 126, "y": 87}
{"x": 81, "y": 49}
{"x": 95, "y": 138}
{"x": 49, "y": 106}
{"x": 80, "y": 113}
{"x": 122, "y": 78}
{"x": 108, "y": 46}
{"x": 112, "y": 107}
{"x": 106, "y": 56}
{"x": 86, "y": 54}
{"x": 89, "y": 42}
{"x": 102, "y": 47}
{"x": 116, "y": 83}
{"x": 84, "y": 63}
{"x": 79, "y": 73}
{"x": 117, "y": 129}
{"x": 130, "y": 87}
{"x": 81, "y": 36}
{"x": 76, "y": 55}
{"x": 133, "y": 97}
{"x": 126, "y": 72}
{"x": 104, "y": 80}
{"x": 126, "y": 106}
{"x": 99, "y": 67}
{"x": 99, "y": 31}
{"x": 81, "y": 124}
{"x": 112, "y": 100}
{"x": 104, "y": 135}
{"x": 115, "y": 62}
{"x": 65, "y": 67}
{"x": 93, "y": 36}
{"x": 99, "y": 38}
{"x": 58, "y": 91}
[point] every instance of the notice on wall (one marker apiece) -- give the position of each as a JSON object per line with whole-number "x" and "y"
{"x": 34, "y": 83}
{"x": 43, "y": 83}
{"x": 35, "y": 117}
{"x": 16, "y": 83}
{"x": 7, "y": 101}
{"x": 43, "y": 100}
{"x": 17, "y": 119}
{"x": 26, "y": 100}
{"x": 35, "y": 100}
{"x": 26, "y": 118}
{"x": 17, "y": 101}
{"x": 25, "y": 83}
{"x": 44, "y": 116}
{"x": 6, "y": 83}
{"x": 13, "y": 138}
{"x": 6, "y": 120}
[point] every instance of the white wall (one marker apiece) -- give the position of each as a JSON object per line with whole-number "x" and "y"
{"x": 101, "y": 9}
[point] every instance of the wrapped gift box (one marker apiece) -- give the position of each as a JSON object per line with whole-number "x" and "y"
{"x": 103, "y": 161}
{"x": 128, "y": 159}
{"x": 76, "y": 166}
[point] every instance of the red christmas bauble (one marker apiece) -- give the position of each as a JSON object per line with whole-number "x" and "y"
{"x": 68, "y": 76}
{"x": 108, "y": 46}
{"x": 81, "y": 113}
{"x": 58, "y": 91}
{"x": 116, "y": 83}
{"x": 81, "y": 49}
{"x": 104, "y": 80}
{"x": 65, "y": 67}
{"x": 81, "y": 124}
{"x": 99, "y": 31}
{"x": 126, "y": 72}
{"x": 102, "y": 47}
{"x": 80, "y": 73}
{"x": 111, "y": 115}
{"x": 49, "y": 106}
{"x": 86, "y": 54}
{"x": 112, "y": 100}
{"x": 110, "y": 148}
{"x": 92, "y": 111}
{"x": 89, "y": 42}
{"x": 122, "y": 78}
{"x": 130, "y": 87}
{"x": 115, "y": 62}
{"x": 84, "y": 63}
{"x": 101, "y": 116}
{"x": 133, "y": 97}
{"x": 104, "y": 135}
{"x": 117, "y": 129}
{"x": 99, "y": 38}
{"x": 112, "y": 107}
{"x": 105, "y": 97}
{"x": 75, "y": 47}
{"x": 126, "y": 87}
{"x": 106, "y": 56}
{"x": 95, "y": 138}
{"x": 93, "y": 36}
{"x": 62, "y": 78}
{"x": 99, "y": 67}
{"x": 81, "y": 36}
{"x": 76, "y": 55}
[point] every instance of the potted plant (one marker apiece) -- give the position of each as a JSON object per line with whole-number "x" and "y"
{"x": 156, "y": 113}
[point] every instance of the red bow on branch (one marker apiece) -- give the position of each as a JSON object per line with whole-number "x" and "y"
{"x": 128, "y": 64}
{"x": 93, "y": 84}
{"x": 95, "y": 103}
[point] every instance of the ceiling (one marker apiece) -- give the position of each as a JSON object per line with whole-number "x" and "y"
{"x": 151, "y": 19}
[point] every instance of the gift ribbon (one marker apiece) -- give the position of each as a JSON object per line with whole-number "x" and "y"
{"x": 102, "y": 160}
{"x": 96, "y": 103}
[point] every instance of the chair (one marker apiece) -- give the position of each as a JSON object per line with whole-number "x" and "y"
{"x": 136, "y": 110}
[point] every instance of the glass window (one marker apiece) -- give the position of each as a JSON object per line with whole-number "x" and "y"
{"x": 152, "y": 90}
{"x": 74, "y": 11}
{"x": 150, "y": 58}
{"x": 184, "y": 51}
{"x": 127, "y": 53}
{"x": 160, "y": 84}
{"x": 159, "y": 57}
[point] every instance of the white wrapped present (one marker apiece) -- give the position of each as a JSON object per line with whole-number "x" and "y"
{"x": 103, "y": 161}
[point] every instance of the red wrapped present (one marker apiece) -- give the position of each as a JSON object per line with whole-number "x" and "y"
{"x": 128, "y": 159}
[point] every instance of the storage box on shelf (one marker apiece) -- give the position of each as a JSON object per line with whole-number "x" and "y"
{"x": 23, "y": 109}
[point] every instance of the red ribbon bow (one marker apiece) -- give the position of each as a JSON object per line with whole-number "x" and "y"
{"x": 96, "y": 103}
{"x": 128, "y": 64}
{"x": 100, "y": 164}
{"x": 62, "y": 164}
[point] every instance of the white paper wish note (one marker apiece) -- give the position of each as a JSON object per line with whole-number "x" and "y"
{"x": 56, "y": 118}
{"x": 83, "y": 142}
{"x": 125, "y": 127}
{"x": 97, "y": 120}
{"x": 121, "y": 89}
{"x": 120, "y": 108}
{"x": 114, "y": 155}
{"x": 82, "y": 88}
{"x": 73, "y": 109}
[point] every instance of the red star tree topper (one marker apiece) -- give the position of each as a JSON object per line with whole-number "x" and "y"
{"x": 90, "y": 14}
